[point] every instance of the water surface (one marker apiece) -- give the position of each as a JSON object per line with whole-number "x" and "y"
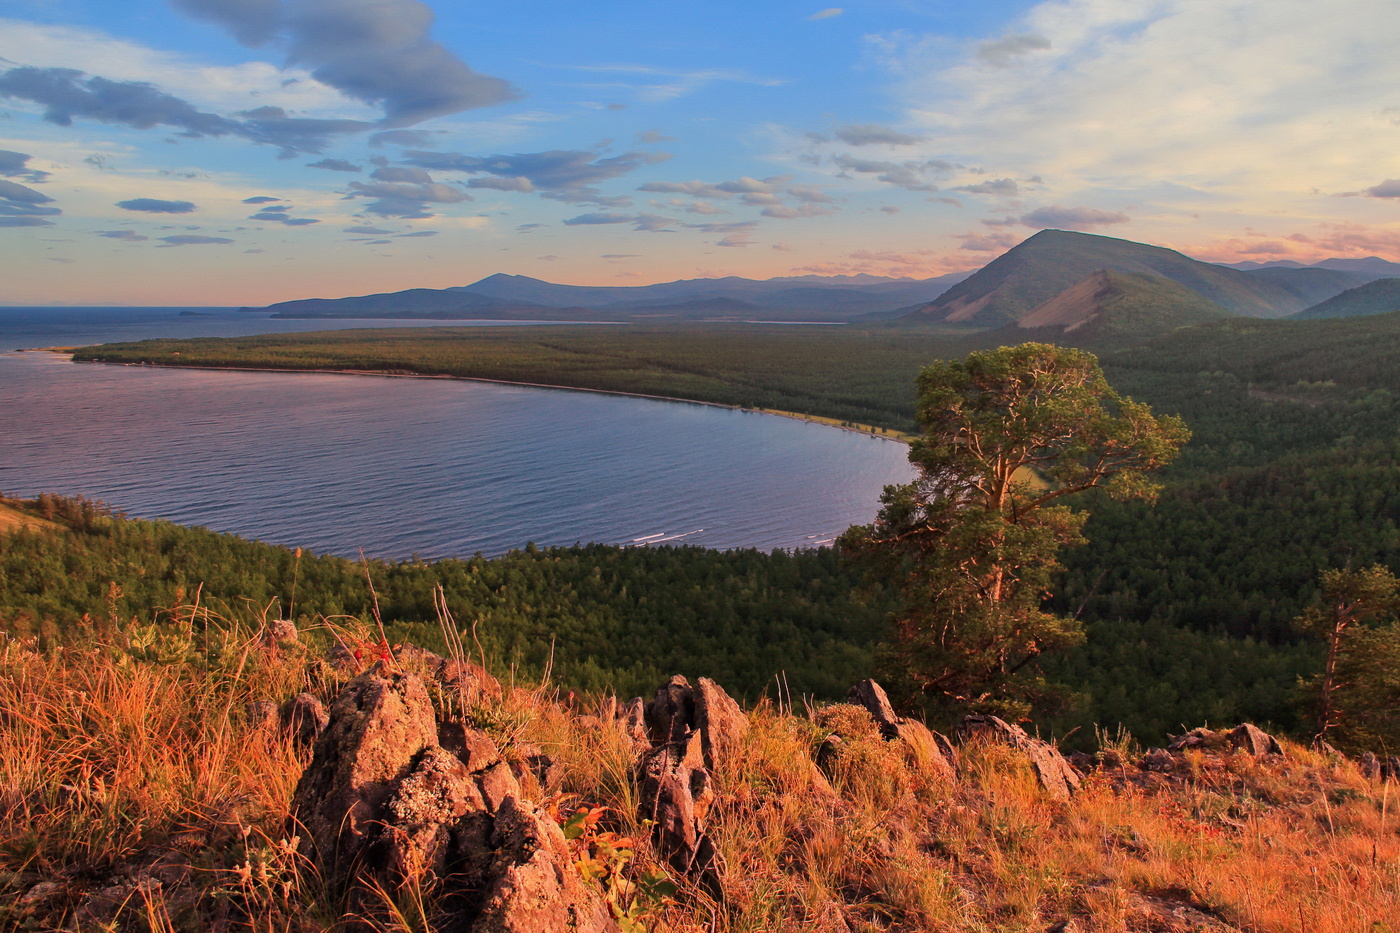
{"x": 411, "y": 466}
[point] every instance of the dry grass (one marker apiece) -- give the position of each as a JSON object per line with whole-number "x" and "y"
{"x": 133, "y": 775}
{"x": 13, "y": 518}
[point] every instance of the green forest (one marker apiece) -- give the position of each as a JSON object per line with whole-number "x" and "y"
{"x": 1189, "y": 603}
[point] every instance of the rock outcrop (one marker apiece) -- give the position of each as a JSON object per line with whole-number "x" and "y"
{"x": 690, "y": 731}
{"x": 393, "y": 797}
{"x": 1055, "y": 774}
{"x": 931, "y": 753}
{"x": 1253, "y": 740}
{"x": 379, "y": 728}
{"x": 1245, "y": 736}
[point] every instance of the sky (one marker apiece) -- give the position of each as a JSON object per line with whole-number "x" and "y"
{"x": 243, "y": 152}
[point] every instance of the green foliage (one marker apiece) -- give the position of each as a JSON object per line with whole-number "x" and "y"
{"x": 605, "y": 617}
{"x": 1378, "y": 297}
{"x": 973, "y": 541}
{"x": 1357, "y": 695}
{"x": 1296, "y": 433}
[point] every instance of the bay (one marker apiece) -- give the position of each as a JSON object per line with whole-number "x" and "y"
{"x": 399, "y": 466}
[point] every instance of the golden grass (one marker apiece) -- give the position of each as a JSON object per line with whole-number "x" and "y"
{"x": 145, "y": 778}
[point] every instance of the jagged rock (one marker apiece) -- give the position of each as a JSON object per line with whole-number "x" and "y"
{"x": 675, "y": 794}
{"x": 1323, "y": 747}
{"x": 720, "y": 721}
{"x": 1082, "y": 762}
{"x": 670, "y": 716}
{"x": 1173, "y": 916}
{"x": 473, "y": 678}
{"x": 533, "y": 886}
{"x": 342, "y": 660}
{"x": 1158, "y": 759}
{"x": 423, "y": 812}
{"x": 608, "y": 709}
{"x": 303, "y": 718}
{"x": 1369, "y": 765}
{"x": 932, "y": 753}
{"x": 1390, "y": 768}
{"x": 40, "y": 892}
{"x": 1253, "y": 740}
{"x": 393, "y": 797}
{"x": 872, "y": 696}
{"x": 1054, "y": 773}
{"x": 688, "y": 731}
{"x": 379, "y": 727}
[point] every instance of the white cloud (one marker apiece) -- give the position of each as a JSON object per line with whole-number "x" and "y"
{"x": 220, "y": 88}
{"x": 1245, "y": 103}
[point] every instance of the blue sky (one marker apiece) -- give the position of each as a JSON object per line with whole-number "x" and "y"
{"x": 234, "y": 152}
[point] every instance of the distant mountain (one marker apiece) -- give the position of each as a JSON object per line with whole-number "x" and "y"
{"x": 1311, "y": 284}
{"x": 1120, "y": 305}
{"x": 515, "y": 297}
{"x": 413, "y": 303}
{"x": 1376, "y": 297}
{"x": 1372, "y": 266}
{"x": 1040, "y": 268}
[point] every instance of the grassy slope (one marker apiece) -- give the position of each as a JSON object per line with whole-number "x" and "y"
{"x": 13, "y": 516}
{"x": 1109, "y": 309}
{"x": 162, "y": 807}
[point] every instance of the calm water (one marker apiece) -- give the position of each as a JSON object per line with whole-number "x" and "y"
{"x": 404, "y": 466}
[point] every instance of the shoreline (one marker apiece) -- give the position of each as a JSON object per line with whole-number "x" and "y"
{"x": 870, "y": 431}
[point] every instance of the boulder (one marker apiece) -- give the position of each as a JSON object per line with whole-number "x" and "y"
{"x": 263, "y": 716}
{"x": 1253, "y": 740}
{"x": 1054, "y": 773}
{"x": 302, "y": 719}
{"x": 932, "y": 754}
{"x": 1369, "y": 765}
{"x": 280, "y": 633}
{"x": 1158, "y": 759}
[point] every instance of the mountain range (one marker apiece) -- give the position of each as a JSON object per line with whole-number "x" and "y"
{"x": 507, "y": 297}
{"x": 1056, "y": 281}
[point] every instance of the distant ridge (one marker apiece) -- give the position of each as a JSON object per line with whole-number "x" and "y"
{"x": 1378, "y": 297}
{"x": 514, "y": 297}
{"x": 1372, "y": 266}
{"x": 1040, "y": 268}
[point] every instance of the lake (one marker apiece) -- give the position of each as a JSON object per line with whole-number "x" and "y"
{"x": 400, "y": 466}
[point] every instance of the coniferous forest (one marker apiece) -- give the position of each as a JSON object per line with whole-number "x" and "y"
{"x": 1189, "y": 603}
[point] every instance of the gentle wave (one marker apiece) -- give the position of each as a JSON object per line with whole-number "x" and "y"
{"x": 430, "y": 467}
